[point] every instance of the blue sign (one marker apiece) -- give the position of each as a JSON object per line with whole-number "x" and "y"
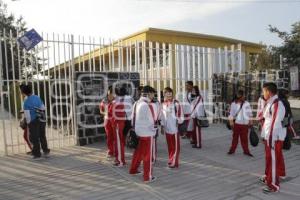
{"x": 30, "y": 39}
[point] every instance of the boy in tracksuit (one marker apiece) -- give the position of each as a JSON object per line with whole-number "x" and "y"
{"x": 119, "y": 119}
{"x": 171, "y": 116}
{"x": 274, "y": 134}
{"x": 143, "y": 121}
{"x": 240, "y": 120}
{"x": 106, "y": 106}
{"x": 197, "y": 111}
{"x": 186, "y": 106}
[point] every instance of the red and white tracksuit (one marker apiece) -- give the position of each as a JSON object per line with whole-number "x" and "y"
{"x": 119, "y": 118}
{"x": 186, "y": 107}
{"x": 241, "y": 125}
{"x": 146, "y": 130}
{"x": 274, "y": 134}
{"x": 171, "y": 116}
{"x": 197, "y": 111}
{"x": 106, "y": 109}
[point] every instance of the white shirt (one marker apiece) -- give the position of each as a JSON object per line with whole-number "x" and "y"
{"x": 196, "y": 111}
{"x": 170, "y": 117}
{"x": 128, "y": 105}
{"x": 260, "y": 107}
{"x": 144, "y": 122}
{"x": 279, "y": 132}
{"x": 186, "y": 103}
{"x": 244, "y": 114}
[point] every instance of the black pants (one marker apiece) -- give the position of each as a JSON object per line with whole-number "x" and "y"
{"x": 37, "y": 137}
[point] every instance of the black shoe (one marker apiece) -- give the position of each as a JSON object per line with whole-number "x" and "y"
{"x": 29, "y": 153}
{"x": 248, "y": 154}
{"x": 152, "y": 180}
{"x": 262, "y": 180}
{"x": 37, "y": 157}
{"x": 46, "y": 153}
{"x": 230, "y": 152}
{"x": 269, "y": 190}
{"x": 192, "y": 142}
{"x": 195, "y": 146}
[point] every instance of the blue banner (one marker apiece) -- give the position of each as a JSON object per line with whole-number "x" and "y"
{"x": 30, "y": 39}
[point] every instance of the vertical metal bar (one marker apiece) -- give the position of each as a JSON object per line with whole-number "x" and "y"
{"x": 127, "y": 55}
{"x": 73, "y": 97}
{"x": 151, "y": 62}
{"x": 158, "y": 72}
{"x": 188, "y": 57}
{"x": 233, "y": 68}
{"x": 103, "y": 53}
{"x": 113, "y": 56}
{"x": 119, "y": 56}
{"x": 83, "y": 53}
{"x": 69, "y": 100}
{"x": 199, "y": 67}
{"x": 94, "y": 60}
{"x": 20, "y": 80}
{"x": 144, "y": 64}
{"x": 14, "y": 87}
{"x": 2, "y": 37}
{"x": 226, "y": 59}
{"x": 164, "y": 64}
{"x": 109, "y": 57}
{"x": 66, "y": 90}
{"x": 205, "y": 68}
{"x": 50, "y": 90}
{"x": 56, "y": 91}
{"x": 177, "y": 68}
{"x": 171, "y": 67}
{"x": 60, "y": 81}
{"x": 79, "y": 55}
{"x": 220, "y": 60}
{"x": 194, "y": 64}
{"x": 90, "y": 49}
{"x": 130, "y": 56}
{"x": 183, "y": 67}
{"x": 44, "y": 80}
{"x": 8, "y": 90}
{"x": 100, "y": 56}
{"x": 240, "y": 58}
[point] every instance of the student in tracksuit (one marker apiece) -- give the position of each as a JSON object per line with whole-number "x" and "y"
{"x": 186, "y": 106}
{"x": 197, "y": 111}
{"x": 119, "y": 118}
{"x": 106, "y": 106}
{"x": 33, "y": 110}
{"x": 171, "y": 116}
{"x": 274, "y": 134}
{"x": 240, "y": 120}
{"x": 144, "y": 115}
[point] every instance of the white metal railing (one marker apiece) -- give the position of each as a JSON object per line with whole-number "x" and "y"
{"x": 50, "y": 68}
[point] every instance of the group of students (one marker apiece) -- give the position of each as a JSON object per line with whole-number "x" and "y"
{"x": 147, "y": 116}
{"x": 275, "y": 120}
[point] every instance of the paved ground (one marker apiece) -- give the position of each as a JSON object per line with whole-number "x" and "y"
{"x": 83, "y": 173}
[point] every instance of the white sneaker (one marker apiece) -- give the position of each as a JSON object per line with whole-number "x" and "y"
{"x": 151, "y": 180}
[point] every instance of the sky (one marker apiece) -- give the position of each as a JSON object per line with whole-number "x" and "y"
{"x": 240, "y": 19}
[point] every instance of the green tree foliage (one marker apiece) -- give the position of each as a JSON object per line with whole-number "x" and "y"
{"x": 290, "y": 50}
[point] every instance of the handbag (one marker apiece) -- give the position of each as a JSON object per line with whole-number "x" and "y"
{"x": 254, "y": 139}
{"x": 132, "y": 139}
{"x": 182, "y": 128}
{"x": 203, "y": 122}
{"x": 23, "y": 124}
{"x": 287, "y": 142}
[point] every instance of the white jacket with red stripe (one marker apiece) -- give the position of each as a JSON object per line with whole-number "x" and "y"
{"x": 143, "y": 121}
{"x": 171, "y": 116}
{"x": 279, "y": 132}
